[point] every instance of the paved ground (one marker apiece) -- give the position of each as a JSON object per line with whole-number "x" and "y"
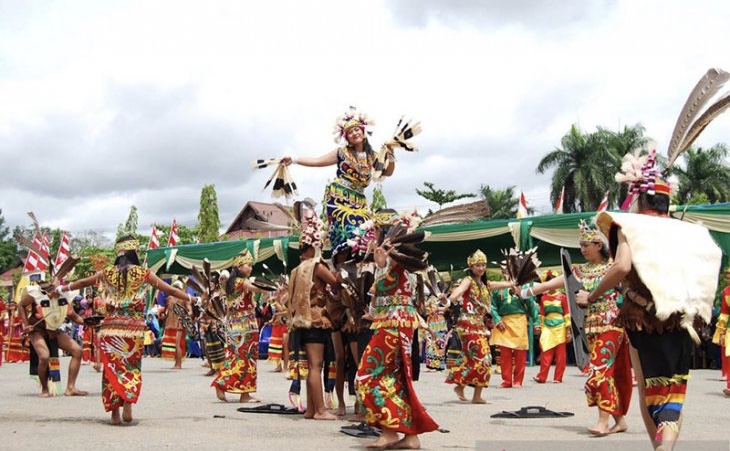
{"x": 178, "y": 410}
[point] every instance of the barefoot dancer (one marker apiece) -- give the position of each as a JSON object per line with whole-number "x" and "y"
{"x": 238, "y": 373}
{"x": 121, "y": 334}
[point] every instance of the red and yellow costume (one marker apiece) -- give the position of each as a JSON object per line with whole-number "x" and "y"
{"x": 721, "y": 337}
{"x": 15, "y": 351}
{"x": 121, "y": 335}
{"x": 554, "y": 323}
{"x": 609, "y": 379}
{"x": 473, "y": 365}
{"x": 238, "y": 373}
{"x": 384, "y": 376}
{"x": 3, "y": 310}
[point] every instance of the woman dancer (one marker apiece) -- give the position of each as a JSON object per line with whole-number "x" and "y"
{"x": 238, "y": 373}
{"x": 555, "y": 332}
{"x": 122, "y": 331}
{"x": 609, "y": 381}
{"x": 471, "y": 299}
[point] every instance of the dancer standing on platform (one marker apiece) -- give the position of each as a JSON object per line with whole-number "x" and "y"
{"x": 384, "y": 377}
{"x": 471, "y": 303}
{"x": 555, "y": 332}
{"x": 121, "y": 336}
{"x": 239, "y": 370}
{"x": 609, "y": 382}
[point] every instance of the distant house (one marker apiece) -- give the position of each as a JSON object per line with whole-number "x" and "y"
{"x": 259, "y": 220}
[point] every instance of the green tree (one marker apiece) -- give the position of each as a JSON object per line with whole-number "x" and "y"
{"x": 8, "y": 249}
{"x": 378, "y": 201}
{"x": 621, "y": 143}
{"x": 502, "y": 203}
{"x": 705, "y": 172}
{"x": 440, "y": 196}
{"x": 585, "y": 165}
{"x": 187, "y": 235}
{"x": 129, "y": 227}
{"x": 209, "y": 222}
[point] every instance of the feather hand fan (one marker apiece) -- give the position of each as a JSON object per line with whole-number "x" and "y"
{"x": 522, "y": 266}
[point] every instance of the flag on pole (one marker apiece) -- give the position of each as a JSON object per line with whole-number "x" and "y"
{"x": 522, "y": 206}
{"x": 45, "y": 251}
{"x": 559, "y": 202}
{"x": 154, "y": 238}
{"x": 603, "y": 206}
{"x": 64, "y": 249}
{"x": 33, "y": 259}
{"x": 174, "y": 239}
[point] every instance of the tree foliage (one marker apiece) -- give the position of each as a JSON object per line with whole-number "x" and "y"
{"x": 378, "y": 202}
{"x": 705, "y": 172}
{"x": 8, "y": 249}
{"x": 129, "y": 227}
{"x": 209, "y": 222}
{"x": 502, "y": 203}
{"x": 440, "y": 196}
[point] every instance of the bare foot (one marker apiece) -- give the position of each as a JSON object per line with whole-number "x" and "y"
{"x": 325, "y": 416}
{"x": 341, "y": 410}
{"x": 127, "y": 412}
{"x": 599, "y": 430}
{"x": 726, "y": 391}
{"x": 618, "y": 428}
{"x": 176, "y": 367}
{"x": 116, "y": 419}
{"x": 75, "y": 392}
{"x": 220, "y": 394}
{"x": 557, "y": 382}
{"x": 407, "y": 442}
{"x": 381, "y": 443}
{"x": 459, "y": 390}
{"x": 246, "y": 398}
{"x": 479, "y": 401}
{"x": 44, "y": 394}
{"x": 539, "y": 381}
{"x": 209, "y": 373}
{"x": 517, "y": 386}
{"x": 97, "y": 367}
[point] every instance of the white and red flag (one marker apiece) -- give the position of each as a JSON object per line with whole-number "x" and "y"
{"x": 522, "y": 206}
{"x": 174, "y": 239}
{"x": 603, "y": 206}
{"x": 154, "y": 238}
{"x": 64, "y": 249}
{"x": 33, "y": 261}
{"x": 559, "y": 202}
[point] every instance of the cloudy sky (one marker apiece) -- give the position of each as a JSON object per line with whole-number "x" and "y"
{"x": 104, "y": 105}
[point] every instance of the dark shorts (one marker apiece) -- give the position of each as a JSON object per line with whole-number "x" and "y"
{"x": 315, "y": 335}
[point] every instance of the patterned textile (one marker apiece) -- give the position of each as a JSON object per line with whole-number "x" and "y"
{"x": 15, "y": 351}
{"x": 473, "y": 365}
{"x": 276, "y": 343}
{"x": 345, "y": 202}
{"x": 168, "y": 343}
{"x": 54, "y": 367}
{"x": 121, "y": 335}
{"x": 435, "y": 336}
{"x": 554, "y": 321}
{"x": 86, "y": 344}
{"x": 214, "y": 348}
{"x": 238, "y": 373}
{"x": 384, "y": 376}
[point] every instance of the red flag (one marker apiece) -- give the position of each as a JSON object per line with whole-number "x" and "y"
{"x": 64, "y": 249}
{"x": 559, "y": 202}
{"x": 43, "y": 260}
{"x": 174, "y": 239}
{"x": 154, "y": 238}
{"x": 522, "y": 207}
{"x": 35, "y": 262}
{"x": 603, "y": 206}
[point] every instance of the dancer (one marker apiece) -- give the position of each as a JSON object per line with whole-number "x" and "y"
{"x": 668, "y": 284}
{"x": 471, "y": 299}
{"x": 345, "y": 201}
{"x": 238, "y": 373}
{"x": 511, "y": 315}
{"x": 721, "y": 337}
{"x": 48, "y": 311}
{"x": 121, "y": 335}
{"x": 174, "y": 344}
{"x": 309, "y": 318}
{"x": 384, "y": 377}
{"x": 555, "y": 332}
{"x": 609, "y": 382}
{"x": 435, "y": 334}
{"x": 3, "y": 312}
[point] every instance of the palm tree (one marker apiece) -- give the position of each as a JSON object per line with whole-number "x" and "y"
{"x": 585, "y": 165}
{"x": 502, "y": 203}
{"x": 622, "y": 143}
{"x": 705, "y": 172}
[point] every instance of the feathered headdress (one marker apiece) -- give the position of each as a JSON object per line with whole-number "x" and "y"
{"x": 351, "y": 118}
{"x": 640, "y": 171}
{"x": 589, "y": 234}
{"x": 522, "y": 266}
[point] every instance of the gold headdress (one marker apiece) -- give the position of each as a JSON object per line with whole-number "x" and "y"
{"x": 476, "y": 258}
{"x": 243, "y": 258}
{"x": 588, "y": 233}
{"x": 351, "y": 118}
{"x": 130, "y": 244}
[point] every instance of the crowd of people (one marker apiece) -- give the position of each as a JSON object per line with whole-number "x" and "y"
{"x": 366, "y": 316}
